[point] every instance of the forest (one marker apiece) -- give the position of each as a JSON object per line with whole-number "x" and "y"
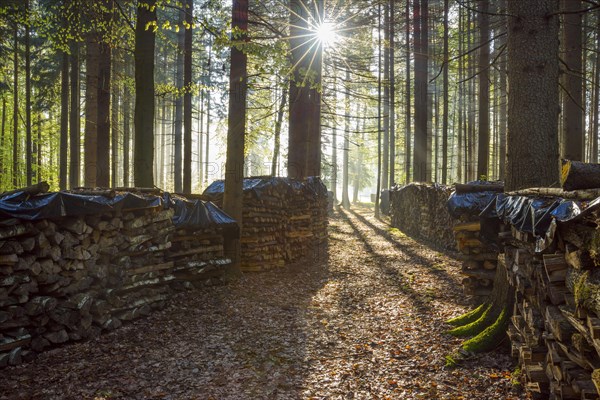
{"x": 405, "y": 92}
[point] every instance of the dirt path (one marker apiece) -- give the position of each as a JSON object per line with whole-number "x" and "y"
{"x": 366, "y": 323}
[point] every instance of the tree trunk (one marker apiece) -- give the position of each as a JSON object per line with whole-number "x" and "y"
{"x": 313, "y": 145}
{"x": 596, "y": 102}
{"x": 187, "y": 99}
{"x": 379, "y": 103}
{"x": 144, "y": 95}
{"x": 532, "y": 143}
{"x": 126, "y": 124}
{"x": 503, "y": 104}
{"x": 103, "y": 116}
{"x": 178, "y": 123}
{"x": 484, "y": 92}
{"x": 38, "y": 149}
{"x": 572, "y": 125}
{"x": 236, "y": 129}
{"x": 299, "y": 107}
{"x": 90, "y": 145}
{"x": 64, "y": 122}
{"x": 420, "y": 57}
{"x": 28, "y": 138}
{"x": 386, "y": 100}
{"x": 334, "y": 144}
{"x": 208, "y": 84}
{"x": 392, "y": 105}
{"x": 345, "y": 177}
{"x": 407, "y": 95}
{"x": 446, "y": 99}
{"x": 74, "y": 121}
{"x": 2, "y": 136}
{"x": 15, "y": 171}
{"x": 114, "y": 125}
{"x": 278, "y": 123}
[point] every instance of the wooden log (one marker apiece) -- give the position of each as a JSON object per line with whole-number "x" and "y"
{"x": 155, "y": 191}
{"x": 40, "y": 187}
{"x": 16, "y": 230}
{"x": 555, "y": 267}
{"x": 577, "y": 175}
{"x": 462, "y": 188}
{"x": 109, "y": 193}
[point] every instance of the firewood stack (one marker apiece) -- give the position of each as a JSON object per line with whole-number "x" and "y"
{"x": 479, "y": 260}
{"x": 555, "y": 327}
{"x": 71, "y": 277}
{"x": 283, "y": 219}
{"x": 420, "y": 210}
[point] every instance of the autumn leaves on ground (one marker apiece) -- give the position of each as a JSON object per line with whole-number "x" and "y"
{"x": 364, "y": 322}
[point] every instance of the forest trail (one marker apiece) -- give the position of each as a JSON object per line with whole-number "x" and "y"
{"x": 366, "y": 322}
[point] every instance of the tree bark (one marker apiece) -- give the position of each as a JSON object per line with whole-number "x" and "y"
{"x": 345, "y": 177}
{"x": 15, "y": 160}
{"x": 420, "y": 57}
{"x": 103, "y": 116}
{"x": 28, "y": 138}
{"x": 2, "y": 136}
{"x": 74, "y": 121}
{"x": 386, "y": 100}
{"x": 572, "y": 135}
{"x": 446, "y": 98}
{"x": 90, "y": 145}
{"x": 484, "y": 92}
{"x": 144, "y": 95}
{"x": 596, "y": 102}
{"x": 532, "y": 143}
{"x": 126, "y": 124}
{"x": 236, "y": 132}
{"x": 392, "y": 105}
{"x": 407, "y": 95}
{"x": 278, "y": 123}
{"x": 178, "y": 123}
{"x": 64, "y": 122}
{"x": 503, "y": 104}
{"x": 187, "y": 99}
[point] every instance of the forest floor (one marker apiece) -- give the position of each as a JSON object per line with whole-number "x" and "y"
{"x": 365, "y": 322}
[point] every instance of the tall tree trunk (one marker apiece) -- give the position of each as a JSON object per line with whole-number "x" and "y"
{"x": 596, "y": 103}
{"x": 126, "y": 124}
{"x": 407, "y": 95}
{"x": 2, "y": 136}
{"x": 379, "y": 103}
{"x": 144, "y": 95}
{"x": 114, "y": 125}
{"x": 392, "y": 106}
{"x": 334, "y": 141}
{"x": 299, "y": 107}
{"x": 484, "y": 92}
{"x": 359, "y": 164}
{"x": 38, "y": 150}
{"x": 236, "y": 129}
{"x": 90, "y": 145}
{"x": 74, "y": 121}
{"x": 208, "y": 84}
{"x": 15, "y": 155}
{"x": 28, "y": 138}
{"x": 346, "y": 161}
{"x": 313, "y": 142}
{"x": 420, "y": 57}
{"x": 386, "y": 100}
{"x": 187, "y": 99}
{"x": 278, "y": 124}
{"x": 446, "y": 98}
{"x": 179, "y": 107}
{"x": 427, "y": 105}
{"x": 533, "y": 156}
{"x": 572, "y": 125}
{"x": 461, "y": 87}
{"x": 503, "y": 103}
{"x": 64, "y": 122}
{"x": 103, "y": 116}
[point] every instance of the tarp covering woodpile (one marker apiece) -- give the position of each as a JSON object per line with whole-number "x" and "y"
{"x": 420, "y": 210}
{"x": 73, "y": 265}
{"x": 284, "y": 219}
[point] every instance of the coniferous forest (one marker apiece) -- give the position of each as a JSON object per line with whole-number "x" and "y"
{"x": 311, "y": 199}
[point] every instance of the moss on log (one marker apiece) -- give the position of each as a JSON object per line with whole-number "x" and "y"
{"x": 468, "y": 317}
{"x": 490, "y": 337}
{"x": 477, "y": 326}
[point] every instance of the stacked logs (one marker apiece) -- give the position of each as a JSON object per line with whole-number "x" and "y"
{"x": 284, "y": 220}
{"x": 420, "y": 210}
{"x": 71, "y": 278}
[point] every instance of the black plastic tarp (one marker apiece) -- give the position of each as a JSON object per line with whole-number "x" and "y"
{"x": 470, "y": 203}
{"x": 258, "y": 185}
{"x": 188, "y": 214}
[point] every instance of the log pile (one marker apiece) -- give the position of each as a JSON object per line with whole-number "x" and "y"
{"x": 420, "y": 210}
{"x": 284, "y": 220}
{"x": 70, "y": 278}
{"x": 555, "y": 326}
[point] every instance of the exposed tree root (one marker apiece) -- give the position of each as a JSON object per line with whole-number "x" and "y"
{"x": 468, "y": 317}
{"x": 491, "y": 337}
